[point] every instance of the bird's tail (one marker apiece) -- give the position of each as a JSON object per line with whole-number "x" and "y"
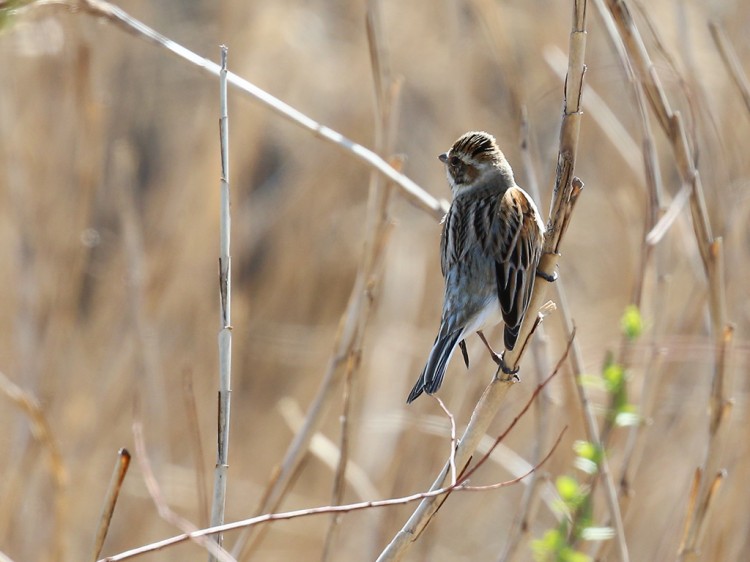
{"x": 511, "y": 335}
{"x": 433, "y": 372}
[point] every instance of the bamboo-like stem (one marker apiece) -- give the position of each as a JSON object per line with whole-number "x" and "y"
{"x": 462, "y": 484}
{"x": 711, "y": 251}
{"x": 564, "y": 197}
{"x": 656, "y": 210}
{"x": 41, "y": 431}
{"x": 113, "y": 492}
{"x": 120, "y": 18}
{"x": 225, "y": 301}
{"x": 539, "y": 350}
{"x": 347, "y": 346}
{"x": 166, "y": 512}
{"x": 191, "y": 411}
{"x": 731, "y": 61}
{"x": 378, "y": 222}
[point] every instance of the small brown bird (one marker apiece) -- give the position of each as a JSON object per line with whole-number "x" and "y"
{"x": 490, "y": 249}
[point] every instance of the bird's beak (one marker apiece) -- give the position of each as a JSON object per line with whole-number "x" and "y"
{"x": 443, "y": 157}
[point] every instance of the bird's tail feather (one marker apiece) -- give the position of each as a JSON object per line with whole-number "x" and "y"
{"x": 433, "y": 372}
{"x": 511, "y": 335}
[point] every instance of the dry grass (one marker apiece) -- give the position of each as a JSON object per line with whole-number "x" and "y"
{"x": 109, "y": 246}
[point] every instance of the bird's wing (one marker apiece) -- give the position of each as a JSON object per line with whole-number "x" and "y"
{"x": 515, "y": 242}
{"x": 457, "y": 234}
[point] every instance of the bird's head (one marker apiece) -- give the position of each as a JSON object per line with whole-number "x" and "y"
{"x": 475, "y": 159}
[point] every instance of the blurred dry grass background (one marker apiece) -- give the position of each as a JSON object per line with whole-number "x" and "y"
{"x": 109, "y": 245}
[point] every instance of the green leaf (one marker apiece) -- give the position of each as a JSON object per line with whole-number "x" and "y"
{"x": 568, "y": 489}
{"x": 614, "y": 377}
{"x": 570, "y": 555}
{"x": 631, "y": 322}
{"x": 587, "y": 450}
{"x": 592, "y": 381}
{"x": 549, "y": 545}
{"x": 597, "y": 533}
{"x": 586, "y": 465}
{"x": 627, "y": 419}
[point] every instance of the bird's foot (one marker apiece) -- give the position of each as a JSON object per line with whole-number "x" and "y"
{"x": 495, "y": 357}
{"x": 546, "y": 276}
{"x": 511, "y": 374}
{"x": 505, "y": 369}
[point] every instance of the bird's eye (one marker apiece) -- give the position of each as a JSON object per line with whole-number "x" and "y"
{"x": 455, "y": 161}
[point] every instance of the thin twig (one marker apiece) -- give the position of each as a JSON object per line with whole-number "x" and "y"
{"x": 154, "y": 490}
{"x": 564, "y": 196}
{"x": 731, "y": 61}
{"x": 385, "y": 115}
{"x": 328, "y": 452}
{"x": 42, "y": 434}
{"x": 191, "y": 411}
{"x": 347, "y": 345}
{"x": 460, "y": 485}
{"x": 655, "y": 223}
{"x": 711, "y": 251}
{"x": 540, "y": 353}
{"x": 113, "y": 492}
{"x": 118, "y": 17}
{"x": 452, "y": 453}
{"x": 225, "y": 333}
{"x": 502, "y": 484}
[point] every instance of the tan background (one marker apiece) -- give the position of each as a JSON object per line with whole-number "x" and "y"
{"x": 109, "y": 245}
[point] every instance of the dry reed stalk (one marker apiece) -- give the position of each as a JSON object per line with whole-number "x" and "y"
{"x": 628, "y": 149}
{"x": 711, "y": 251}
{"x": 386, "y": 91}
{"x": 118, "y": 17}
{"x": 225, "y": 301}
{"x": 656, "y": 211}
{"x": 540, "y": 352}
{"x": 353, "y": 322}
{"x": 191, "y": 411}
{"x": 564, "y": 197}
{"x": 165, "y": 512}
{"x": 329, "y": 453}
{"x": 113, "y": 492}
{"x": 592, "y": 433}
{"x": 199, "y": 535}
{"x": 344, "y": 347}
{"x": 42, "y": 434}
{"x": 731, "y": 61}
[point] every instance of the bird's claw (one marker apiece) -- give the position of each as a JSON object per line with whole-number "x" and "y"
{"x": 546, "y": 276}
{"x": 511, "y": 373}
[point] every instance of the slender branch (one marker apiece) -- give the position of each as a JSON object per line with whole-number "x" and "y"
{"x": 165, "y": 512}
{"x": 348, "y": 343}
{"x": 452, "y": 453}
{"x": 711, "y": 251}
{"x": 121, "y": 19}
{"x": 386, "y": 92}
{"x": 564, "y": 197}
{"x": 113, "y": 492}
{"x": 225, "y": 300}
{"x": 460, "y": 485}
{"x": 191, "y": 411}
{"x": 41, "y": 431}
{"x": 731, "y": 61}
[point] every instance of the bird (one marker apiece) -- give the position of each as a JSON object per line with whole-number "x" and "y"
{"x": 490, "y": 248}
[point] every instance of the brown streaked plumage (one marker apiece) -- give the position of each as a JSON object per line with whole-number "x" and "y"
{"x": 490, "y": 249}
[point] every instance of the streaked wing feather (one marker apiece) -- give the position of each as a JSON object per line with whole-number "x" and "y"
{"x": 515, "y": 246}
